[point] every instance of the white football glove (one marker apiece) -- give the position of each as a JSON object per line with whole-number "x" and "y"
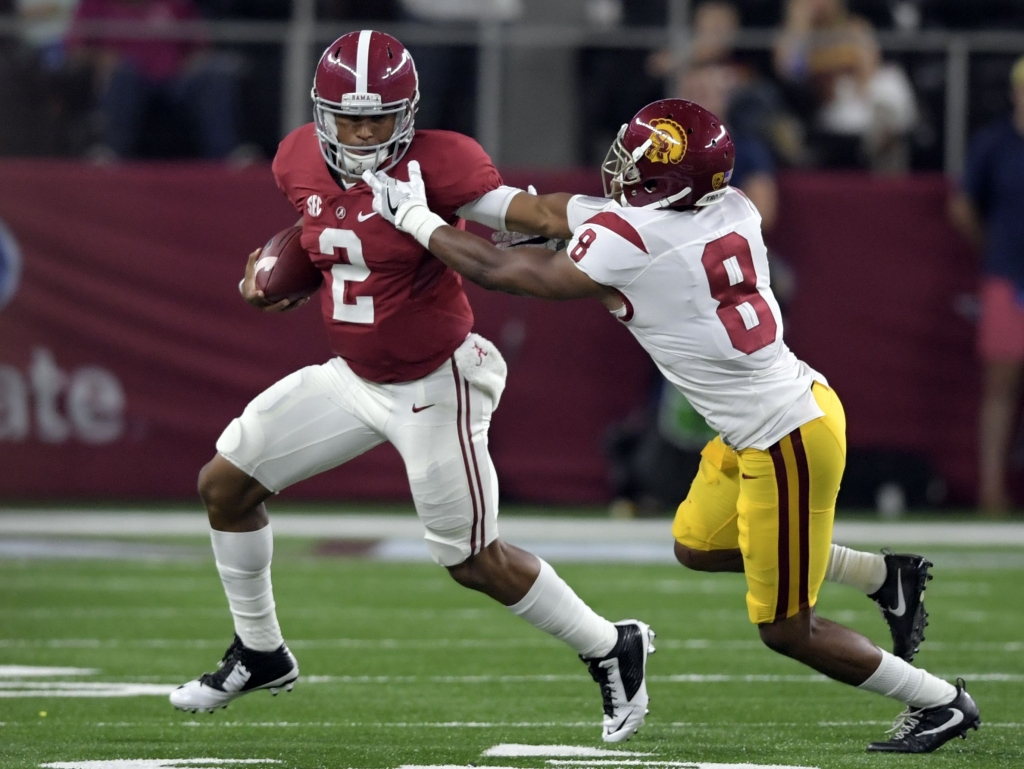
{"x": 404, "y": 204}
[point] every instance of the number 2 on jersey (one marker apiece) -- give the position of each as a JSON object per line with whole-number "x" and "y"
{"x": 733, "y": 280}
{"x": 356, "y": 271}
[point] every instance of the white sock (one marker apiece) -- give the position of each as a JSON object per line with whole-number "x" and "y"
{"x": 864, "y": 571}
{"x": 552, "y": 606}
{"x": 243, "y": 560}
{"x": 912, "y": 686}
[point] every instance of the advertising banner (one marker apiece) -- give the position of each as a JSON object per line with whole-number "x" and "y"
{"x": 125, "y": 348}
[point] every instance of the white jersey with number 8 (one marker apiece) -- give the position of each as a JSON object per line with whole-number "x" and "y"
{"x": 697, "y": 297}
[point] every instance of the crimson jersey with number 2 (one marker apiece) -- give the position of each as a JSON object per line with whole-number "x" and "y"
{"x": 696, "y": 295}
{"x": 392, "y": 310}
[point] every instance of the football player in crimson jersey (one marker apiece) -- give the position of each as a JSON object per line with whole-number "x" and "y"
{"x": 407, "y": 370}
{"x": 677, "y": 256}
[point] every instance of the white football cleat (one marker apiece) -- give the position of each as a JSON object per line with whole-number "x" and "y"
{"x": 621, "y": 676}
{"x": 241, "y": 670}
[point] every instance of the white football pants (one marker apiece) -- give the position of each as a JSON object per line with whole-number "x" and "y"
{"x": 322, "y": 416}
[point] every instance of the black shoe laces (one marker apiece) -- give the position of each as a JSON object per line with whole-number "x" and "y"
{"x": 224, "y": 667}
{"x": 600, "y": 675}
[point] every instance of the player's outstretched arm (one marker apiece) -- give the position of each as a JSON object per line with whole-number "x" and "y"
{"x": 539, "y": 215}
{"x": 512, "y": 210}
{"x": 554, "y": 216}
{"x": 525, "y": 270}
{"x": 528, "y": 270}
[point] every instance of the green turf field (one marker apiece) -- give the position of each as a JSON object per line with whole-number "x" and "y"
{"x": 403, "y": 668}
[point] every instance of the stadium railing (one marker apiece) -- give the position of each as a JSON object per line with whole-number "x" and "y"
{"x": 303, "y": 36}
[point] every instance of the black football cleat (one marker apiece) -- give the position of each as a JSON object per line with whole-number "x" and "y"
{"x": 901, "y": 600}
{"x": 928, "y": 729}
{"x": 622, "y": 678}
{"x": 242, "y": 670}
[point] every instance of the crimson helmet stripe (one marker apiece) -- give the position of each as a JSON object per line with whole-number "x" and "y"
{"x": 363, "y": 60}
{"x": 618, "y": 225}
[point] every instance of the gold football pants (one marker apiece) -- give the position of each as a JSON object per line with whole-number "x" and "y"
{"x": 776, "y": 506}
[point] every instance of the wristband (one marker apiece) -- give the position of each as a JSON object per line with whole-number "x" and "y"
{"x": 420, "y": 222}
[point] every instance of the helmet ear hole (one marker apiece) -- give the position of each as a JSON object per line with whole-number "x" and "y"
{"x": 650, "y": 185}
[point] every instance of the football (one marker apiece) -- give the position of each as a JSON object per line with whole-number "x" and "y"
{"x": 284, "y": 269}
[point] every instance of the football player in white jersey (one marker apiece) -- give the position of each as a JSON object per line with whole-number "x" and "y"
{"x": 677, "y": 255}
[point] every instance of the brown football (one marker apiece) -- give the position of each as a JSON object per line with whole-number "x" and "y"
{"x": 284, "y": 269}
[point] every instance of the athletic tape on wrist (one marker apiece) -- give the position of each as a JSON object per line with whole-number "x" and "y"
{"x": 420, "y": 222}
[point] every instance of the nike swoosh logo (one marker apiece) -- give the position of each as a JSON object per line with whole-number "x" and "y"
{"x": 392, "y": 208}
{"x": 901, "y": 605}
{"x": 954, "y": 720}
{"x": 417, "y": 409}
{"x": 363, "y": 217}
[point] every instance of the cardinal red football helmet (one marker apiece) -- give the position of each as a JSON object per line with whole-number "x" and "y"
{"x": 365, "y": 73}
{"x": 672, "y": 154}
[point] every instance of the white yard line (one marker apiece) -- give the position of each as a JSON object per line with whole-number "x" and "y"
{"x": 65, "y": 523}
{"x": 74, "y": 690}
{"x": 488, "y": 724}
{"x": 96, "y": 689}
{"x": 157, "y": 763}
{"x": 556, "y": 751}
{"x": 26, "y": 671}
{"x": 670, "y": 764}
{"x": 682, "y": 678}
{"x": 674, "y": 644}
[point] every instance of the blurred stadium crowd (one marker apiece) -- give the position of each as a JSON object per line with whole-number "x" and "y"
{"x": 804, "y": 83}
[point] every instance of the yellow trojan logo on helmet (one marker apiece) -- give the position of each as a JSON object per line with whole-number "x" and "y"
{"x": 668, "y": 141}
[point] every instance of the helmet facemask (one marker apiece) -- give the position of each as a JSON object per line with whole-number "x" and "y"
{"x": 352, "y": 160}
{"x": 618, "y": 170}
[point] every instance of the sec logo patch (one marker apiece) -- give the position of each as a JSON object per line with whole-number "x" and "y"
{"x": 314, "y": 205}
{"x": 10, "y": 265}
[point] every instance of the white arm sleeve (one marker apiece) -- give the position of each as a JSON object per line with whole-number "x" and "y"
{"x": 582, "y": 207}
{"x": 489, "y": 209}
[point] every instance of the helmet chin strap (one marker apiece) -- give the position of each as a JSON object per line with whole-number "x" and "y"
{"x": 355, "y": 163}
{"x": 664, "y": 202}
